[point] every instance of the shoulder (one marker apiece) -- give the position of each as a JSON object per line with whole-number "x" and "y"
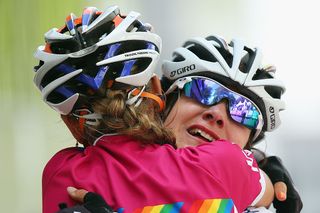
{"x": 219, "y": 150}
{"x": 221, "y": 157}
{"x": 225, "y": 150}
{"x": 61, "y": 159}
{"x": 66, "y": 154}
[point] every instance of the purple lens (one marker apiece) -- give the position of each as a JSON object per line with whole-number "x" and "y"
{"x": 209, "y": 92}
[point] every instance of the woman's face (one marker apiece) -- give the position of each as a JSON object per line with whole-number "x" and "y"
{"x": 194, "y": 123}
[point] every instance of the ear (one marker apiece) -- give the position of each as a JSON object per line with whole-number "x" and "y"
{"x": 75, "y": 128}
{"x": 156, "y": 85}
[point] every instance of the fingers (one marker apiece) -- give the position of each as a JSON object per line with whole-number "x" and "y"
{"x": 77, "y": 194}
{"x": 280, "y": 190}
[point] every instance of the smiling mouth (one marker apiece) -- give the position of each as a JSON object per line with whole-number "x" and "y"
{"x": 201, "y": 134}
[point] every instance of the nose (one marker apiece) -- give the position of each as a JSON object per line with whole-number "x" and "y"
{"x": 216, "y": 115}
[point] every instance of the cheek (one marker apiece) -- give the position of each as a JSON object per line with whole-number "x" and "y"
{"x": 181, "y": 116}
{"x": 238, "y": 134}
{"x": 171, "y": 118}
{"x": 183, "y": 111}
{"x": 175, "y": 120}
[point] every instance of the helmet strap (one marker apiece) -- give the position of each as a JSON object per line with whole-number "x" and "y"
{"x": 139, "y": 94}
{"x": 85, "y": 116}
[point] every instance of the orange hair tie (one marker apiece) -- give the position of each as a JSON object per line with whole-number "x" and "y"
{"x": 152, "y": 96}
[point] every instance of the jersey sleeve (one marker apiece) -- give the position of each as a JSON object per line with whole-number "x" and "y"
{"x": 235, "y": 168}
{"x": 56, "y": 177}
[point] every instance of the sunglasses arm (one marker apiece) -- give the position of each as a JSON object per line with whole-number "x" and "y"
{"x": 178, "y": 83}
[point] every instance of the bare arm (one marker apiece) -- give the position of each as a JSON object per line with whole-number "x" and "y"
{"x": 268, "y": 195}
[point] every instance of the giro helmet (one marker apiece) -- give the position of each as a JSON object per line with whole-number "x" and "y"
{"x": 234, "y": 65}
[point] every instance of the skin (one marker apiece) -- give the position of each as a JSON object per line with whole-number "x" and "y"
{"x": 214, "y": 121}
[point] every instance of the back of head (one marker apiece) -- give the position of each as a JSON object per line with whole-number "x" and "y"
{"x": 95, "y": 64}
{"x": 235, "y": 66}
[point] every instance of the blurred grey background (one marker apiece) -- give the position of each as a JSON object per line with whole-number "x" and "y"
{"x": 287, "y": 31}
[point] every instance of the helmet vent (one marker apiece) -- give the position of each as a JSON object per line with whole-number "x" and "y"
{"x": 261, "y": 74}
{"x": 129, "y": 46}
{"x": 65, "y": 46}
{"x": 202, "y": 53}
{"x": 137, "y": 26}
{"x": 96, "y": 34}
{"x": 247, "y": 60}
{"x": 178, "y": 58}
{"x": 273, "y": 91}
{"x": 51, "y": 76}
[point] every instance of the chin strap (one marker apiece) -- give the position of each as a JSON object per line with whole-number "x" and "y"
{"x": 136, "y": 93}
{"x": 85, "y": 116}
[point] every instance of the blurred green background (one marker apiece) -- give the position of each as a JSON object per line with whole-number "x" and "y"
{"x": 30, "y": 132}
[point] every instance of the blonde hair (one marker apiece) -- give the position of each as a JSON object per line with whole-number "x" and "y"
{"x": 142, "y": 122}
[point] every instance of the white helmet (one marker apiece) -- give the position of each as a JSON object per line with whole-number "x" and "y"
{"x": 214, "y": 58}
{"x": 92, "y": 51}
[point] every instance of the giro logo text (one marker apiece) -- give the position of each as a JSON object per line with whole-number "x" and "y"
{"x": 272, "y": 118}
{"x": 182, "y": 70}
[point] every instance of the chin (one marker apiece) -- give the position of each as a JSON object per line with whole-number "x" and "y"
{"x": 186, "y": 144}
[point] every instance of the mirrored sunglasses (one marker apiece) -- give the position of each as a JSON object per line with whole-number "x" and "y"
{"x": 209, "y": 92}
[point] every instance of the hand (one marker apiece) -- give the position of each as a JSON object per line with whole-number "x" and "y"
{"x": 287, "y": 197}
{"x": 77, "y": 194}
{"x": 280, "y": 191}
{"x": 92, "y": 202}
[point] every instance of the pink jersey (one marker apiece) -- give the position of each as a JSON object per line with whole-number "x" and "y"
{"x": 133, "y": 177}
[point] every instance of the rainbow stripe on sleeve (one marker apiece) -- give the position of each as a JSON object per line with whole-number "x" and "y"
{"x": 165, "y": 208}
{"x": 212, "y": 206}
{"x": 199, "y": 206}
